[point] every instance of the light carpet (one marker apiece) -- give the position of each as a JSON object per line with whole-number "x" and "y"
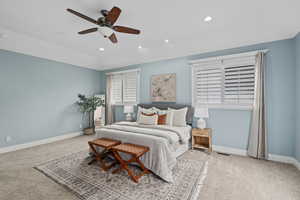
{"x": 90, "y": 183}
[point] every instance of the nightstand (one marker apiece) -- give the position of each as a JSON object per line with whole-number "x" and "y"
{"x": 201, "y": 139}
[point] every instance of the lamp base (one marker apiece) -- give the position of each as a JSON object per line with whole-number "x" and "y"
{"x": 201, "y": 123}
{"x": 128, "y": 117}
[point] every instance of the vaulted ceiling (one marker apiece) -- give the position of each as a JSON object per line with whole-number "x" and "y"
{"x": 44, "y": 28}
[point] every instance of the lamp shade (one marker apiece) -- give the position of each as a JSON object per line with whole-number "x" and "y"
{"x": 128, "y": 109}
{"x": 201, "y": 112}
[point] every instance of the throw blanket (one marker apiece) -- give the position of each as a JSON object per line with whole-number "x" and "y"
{"x": 166, "y": 132}
{"x": 161, "y": 140}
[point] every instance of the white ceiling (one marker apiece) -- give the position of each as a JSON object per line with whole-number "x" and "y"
{"x": 44, "y": 29}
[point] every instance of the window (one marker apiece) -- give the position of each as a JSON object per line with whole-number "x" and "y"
{"x": 225, "y": 82}
{"x": 124, "y": 87}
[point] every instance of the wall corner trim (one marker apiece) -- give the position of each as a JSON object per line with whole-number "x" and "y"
{"x": 39, "y": 142}
{"x": 243, "y": 152}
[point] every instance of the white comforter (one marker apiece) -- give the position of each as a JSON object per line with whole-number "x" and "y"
{"x": 161, "y": 139}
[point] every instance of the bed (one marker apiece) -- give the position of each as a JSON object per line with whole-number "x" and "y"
{"x": 166, "y": 142}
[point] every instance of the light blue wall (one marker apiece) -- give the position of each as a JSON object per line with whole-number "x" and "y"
{"x": 37, "y": 97}
{"x": 231, "y": 127}
{"x": 297, "y": 141}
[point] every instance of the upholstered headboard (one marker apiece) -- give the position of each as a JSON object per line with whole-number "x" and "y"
{"x": 165, "y": 106}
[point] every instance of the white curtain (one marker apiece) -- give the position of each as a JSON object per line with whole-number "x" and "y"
{"x": 257, "y": 144}
{"x": 109, "y": 107}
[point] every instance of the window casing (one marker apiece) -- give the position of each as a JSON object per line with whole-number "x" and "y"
{"x": 125, "y": 87}
{"x": 227, "y": 82}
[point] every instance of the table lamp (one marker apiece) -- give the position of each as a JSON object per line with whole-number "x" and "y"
{"x": 128, "y": 109}
{"x": 201, "y": 113}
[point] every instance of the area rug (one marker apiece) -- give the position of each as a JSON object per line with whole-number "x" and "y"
{"x": 88, "y": 182}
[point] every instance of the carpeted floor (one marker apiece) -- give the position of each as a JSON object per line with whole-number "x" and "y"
{"x": 229, "y": 177}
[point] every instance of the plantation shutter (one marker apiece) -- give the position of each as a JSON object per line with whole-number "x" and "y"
{"x": 207, "y": 85}
{"x": 124, "y": 87}
{"x": 239, "y": 80}
{"x": 116, "y": 89}
{"x": 239, "y": 84}
{"x": 226, "y": 82}
{"x": 130, "y": 84}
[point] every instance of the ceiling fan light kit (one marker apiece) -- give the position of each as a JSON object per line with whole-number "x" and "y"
{"x": 106, "y": 24}
{"x": 105, "y": 31}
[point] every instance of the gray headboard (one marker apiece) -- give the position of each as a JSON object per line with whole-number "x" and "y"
{"x": 165, "y": 106}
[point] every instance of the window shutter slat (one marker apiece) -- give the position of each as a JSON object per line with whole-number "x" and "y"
{"x": 130, "y": 88}
{"x": 207, "y": 85}
{"x": 239, "y": 84}
{"x": 116, "y": 89}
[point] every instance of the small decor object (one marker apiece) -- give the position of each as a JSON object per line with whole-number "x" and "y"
{"x": 163, "y": 88}
{"x": 201, "y": 113}
{"x": 128, "y": 109}
{"x": 88, "y": 105}
{"x": 201, "y": 139}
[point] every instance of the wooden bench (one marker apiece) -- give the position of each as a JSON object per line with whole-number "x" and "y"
{"x": 136, "y": 151}
{"x": 106, "y": 144}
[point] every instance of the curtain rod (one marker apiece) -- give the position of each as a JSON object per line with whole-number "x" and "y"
{"x": 124, "y": 71}
{"x": 250, "y": 53}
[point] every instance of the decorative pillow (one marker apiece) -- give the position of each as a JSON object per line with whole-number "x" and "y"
{"x": 148, "y": 120}
{"x": 169, "y": 113}
{"x": 151, "y": 114}
{"x": 179, "y": 116}
{"x": 144, "y": 110}
{"x": 162, "y": 119}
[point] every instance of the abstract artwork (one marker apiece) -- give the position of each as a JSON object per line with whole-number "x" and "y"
{"x": 163, "y": 88}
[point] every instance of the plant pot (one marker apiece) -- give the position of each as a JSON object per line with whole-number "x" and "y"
{"x": 88, "y": 131}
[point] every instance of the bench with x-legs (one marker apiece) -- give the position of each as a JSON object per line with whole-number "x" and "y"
{"x": 136, "y": 151}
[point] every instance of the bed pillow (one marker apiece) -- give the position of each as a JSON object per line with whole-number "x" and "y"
{"x": 149, "y": 119}
{"x": 151, "y": 114}
{"x": 145, "y": 111}
{"x": 162, "y": 119}
{"x": 179, "y": 116}
{"x": 169, "y": 117}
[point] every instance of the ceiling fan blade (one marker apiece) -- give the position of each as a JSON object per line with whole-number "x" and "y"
{"x": 88, "y": 31}
{"x": 113, "y": 15}
{"x": 82, "y": 16}
{"x": 124, "y": 29}
{"x": 113, "y": 38}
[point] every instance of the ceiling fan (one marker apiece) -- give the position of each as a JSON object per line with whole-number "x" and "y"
{"x": 106, "y": 24}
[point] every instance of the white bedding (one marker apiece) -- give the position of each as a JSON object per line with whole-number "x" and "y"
{"x": 162, "y": 140}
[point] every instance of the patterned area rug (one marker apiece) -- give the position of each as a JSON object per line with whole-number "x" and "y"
{"x": 88, "y": 182}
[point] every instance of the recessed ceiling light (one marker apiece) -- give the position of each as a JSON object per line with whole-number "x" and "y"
{"x": 140, "y": 47}
{"x": 207, "y": 18}
{"x": 166, "y": 41}
{"x": 101, "y": 49}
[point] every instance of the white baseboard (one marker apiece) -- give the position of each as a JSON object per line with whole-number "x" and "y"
{"x": 297, "y": 164}
{"x": 283, "y": 159}
{"x": 243, "y": 152}
{"x": 39, "y": 142}
{"x": 229, "y": 150}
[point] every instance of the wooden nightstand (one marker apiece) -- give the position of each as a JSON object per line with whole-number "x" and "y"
{"x": 201, "y": 138}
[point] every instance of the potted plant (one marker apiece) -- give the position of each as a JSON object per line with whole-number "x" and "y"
{"x": 88, "y": 105}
